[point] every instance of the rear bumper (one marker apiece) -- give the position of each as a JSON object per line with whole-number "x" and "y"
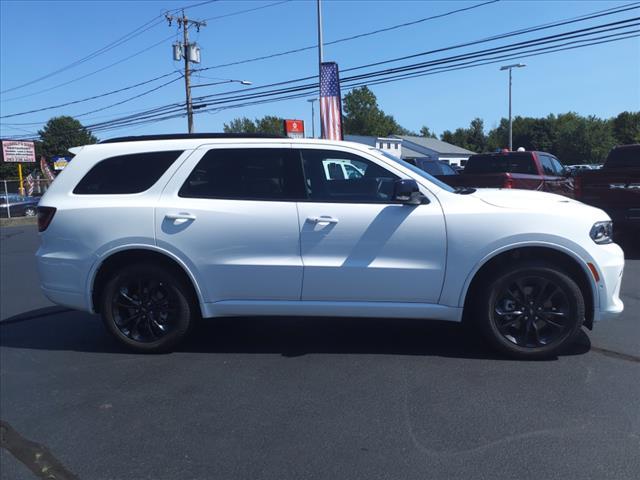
{"x": 73, "y": 300}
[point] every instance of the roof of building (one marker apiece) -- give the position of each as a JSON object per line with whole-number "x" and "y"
{"x": 434, "y": 144}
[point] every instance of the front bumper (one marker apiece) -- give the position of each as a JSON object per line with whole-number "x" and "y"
{"x": 610, "y": 267}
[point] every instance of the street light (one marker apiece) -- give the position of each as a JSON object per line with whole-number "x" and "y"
{"x": 313, "y": 117}
{"x": 511, "y": 67}
{"x": 242, "y": 82}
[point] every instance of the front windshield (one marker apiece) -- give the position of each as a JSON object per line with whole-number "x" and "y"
{"x": 417, "y": 170}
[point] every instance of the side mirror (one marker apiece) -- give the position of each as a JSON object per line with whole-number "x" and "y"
{"x": 406, "y": 191}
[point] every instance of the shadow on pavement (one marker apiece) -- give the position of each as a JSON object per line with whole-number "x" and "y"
{"x": 290, "y": 337}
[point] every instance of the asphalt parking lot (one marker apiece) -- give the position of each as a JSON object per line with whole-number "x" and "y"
{"x": 307, "y": 398}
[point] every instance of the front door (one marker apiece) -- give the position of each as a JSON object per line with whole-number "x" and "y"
{"x": 356, "y": 243}
{"x": 230, "y": 214}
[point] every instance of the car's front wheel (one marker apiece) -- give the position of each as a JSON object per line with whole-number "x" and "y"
{"x": 147, "y": 308}
{"x": 531, "y": 310}
{"x": 30, "y": 212}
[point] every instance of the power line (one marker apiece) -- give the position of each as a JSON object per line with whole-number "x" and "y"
{"x": 88, "y": 98}
{"x": 386, "y": 72}
{"x": 597, "y": 14}
{"x": 382, "y": 75}
{"x": 239, "y": 12}
{"x": 157, "y": 20}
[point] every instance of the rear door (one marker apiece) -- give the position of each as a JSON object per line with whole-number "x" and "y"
{"x": 230, "y": 214}
{"x": 357, "y": 244}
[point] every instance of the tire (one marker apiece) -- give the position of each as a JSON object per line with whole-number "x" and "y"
{"x": 29, "y": 212}
{"x": 147, "y": 308}
{"x": 530, "y": 311}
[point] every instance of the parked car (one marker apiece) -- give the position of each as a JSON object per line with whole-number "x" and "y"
{"x": 436, "y": 168}
{"x": 525, "y": 170}
{"x": 18, "y": 206}
{"x": 615, "y": 187}
{"x": 212, "y": 225}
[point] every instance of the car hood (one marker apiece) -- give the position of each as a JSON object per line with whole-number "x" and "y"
{"x": 522, "y": 199}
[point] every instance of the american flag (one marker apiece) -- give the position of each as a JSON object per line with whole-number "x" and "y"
{"x": 330, "y": 102}
{"x": 30, "y": 184}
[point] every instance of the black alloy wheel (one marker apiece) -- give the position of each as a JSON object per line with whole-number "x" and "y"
{"x": 532, "y": 310}
{"x": 148, "y": 308}
{"x": 144, "y": 309}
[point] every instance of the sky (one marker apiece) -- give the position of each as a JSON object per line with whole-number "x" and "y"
{"x": 38, "y": 38}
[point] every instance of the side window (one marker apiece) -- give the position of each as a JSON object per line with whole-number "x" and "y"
{"x": 522, "y": 164}
{"x": 123, "y": 174}
{"x": 558, "y": 167}
{"x": 547, "y": 165}
{"x": 447, "y": 169}
{"x": 364, "y": 182}
{"x": 246, "y": 174}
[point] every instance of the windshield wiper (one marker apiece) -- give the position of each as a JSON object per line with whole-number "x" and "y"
{"x": 464, "y": 190}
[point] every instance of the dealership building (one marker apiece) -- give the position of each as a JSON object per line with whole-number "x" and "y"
{"x": 410, "y": 147}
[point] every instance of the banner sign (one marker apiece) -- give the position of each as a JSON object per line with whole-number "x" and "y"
{"x": 31, "y": 184}
{"x": 15, "y": 151}
{"x": 60, "y": 162}
{"x": 330, "y": 101}
{"x": 46, "y": 171}
{"x": 294, "y": 128}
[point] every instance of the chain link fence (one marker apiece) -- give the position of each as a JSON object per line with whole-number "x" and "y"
{"x": 14, "y": 203}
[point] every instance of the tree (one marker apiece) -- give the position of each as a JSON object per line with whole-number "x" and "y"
{"x": 363, "y": 116}
{"x": 268, "y": 124}
{"x": 626, "y": 128}
{"x": 60, "y": 134}
{"x": 472, "y": 138}
{"x": 425, "y": 132}
{"x": 240, "y": 125}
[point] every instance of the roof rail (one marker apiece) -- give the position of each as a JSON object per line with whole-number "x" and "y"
{"x": 186, "y": 136}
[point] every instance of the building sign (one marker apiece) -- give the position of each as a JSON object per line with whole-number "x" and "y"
{"x": 294, "y": 128}
{"x": 15, "y": 151}
{"x": 60, "y": 162}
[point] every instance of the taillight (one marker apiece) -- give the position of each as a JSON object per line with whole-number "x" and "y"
{"x": 577, "y": 186}
{"x": 45, "y": 215}
{"x": 508, "y": 181}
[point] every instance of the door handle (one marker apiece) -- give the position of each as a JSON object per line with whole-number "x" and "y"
{"x": 322, "y": 219}
{"x": 180, "y": 218}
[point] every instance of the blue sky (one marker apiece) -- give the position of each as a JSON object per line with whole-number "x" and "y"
{"x": 40, "y": 37}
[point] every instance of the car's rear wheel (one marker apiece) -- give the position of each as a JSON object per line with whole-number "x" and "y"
{"x": 532, "y": 310}
{"x": 147, "y": 308}
{"x": 30, "y": 212}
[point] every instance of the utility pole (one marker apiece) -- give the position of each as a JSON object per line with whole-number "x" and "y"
{"x": 511, "y": 67}
{"x": 187, "y": 52}
{"x": 320, "y": 58}
{"x": 313, "y": 117}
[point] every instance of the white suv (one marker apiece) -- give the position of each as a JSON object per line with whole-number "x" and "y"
{"x": 155, "y": 232}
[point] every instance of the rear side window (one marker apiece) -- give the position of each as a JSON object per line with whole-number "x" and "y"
{"x": 246, "y": 174}
{"x": 123, "y": 174}
{"x": 625, "y": 157}
{"x": 501, "y": 163}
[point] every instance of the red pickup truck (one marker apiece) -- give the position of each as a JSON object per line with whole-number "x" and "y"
{"x": 526, "y": 170}
{"x": 615, "y": 187}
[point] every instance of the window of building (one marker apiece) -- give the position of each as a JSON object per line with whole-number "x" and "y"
{"x": 133, "y": 173}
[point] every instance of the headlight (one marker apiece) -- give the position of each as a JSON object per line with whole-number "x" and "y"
{"x": 601, "y": 232}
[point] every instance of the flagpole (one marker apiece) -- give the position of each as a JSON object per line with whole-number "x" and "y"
{"x": 320, "y": 56}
